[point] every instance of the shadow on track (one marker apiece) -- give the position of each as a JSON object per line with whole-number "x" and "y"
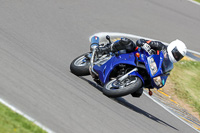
{"x": 132, "y": 107}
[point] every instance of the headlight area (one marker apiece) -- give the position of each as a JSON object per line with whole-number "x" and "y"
{"x": 153, "y": 67}
{"x": 158, "y": 81}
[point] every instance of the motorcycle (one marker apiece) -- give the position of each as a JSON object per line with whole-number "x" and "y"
{"x": 123, "y": 73}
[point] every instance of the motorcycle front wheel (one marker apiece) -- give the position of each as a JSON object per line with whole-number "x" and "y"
{"x": 80, "y": 66}
{"x": 115, "y": 88}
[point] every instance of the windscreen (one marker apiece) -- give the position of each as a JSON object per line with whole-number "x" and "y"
{"x": 167, "y": 65}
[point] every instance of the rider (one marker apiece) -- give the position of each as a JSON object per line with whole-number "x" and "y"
{"x": 176, "y": 49}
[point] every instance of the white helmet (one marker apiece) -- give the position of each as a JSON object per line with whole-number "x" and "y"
{"x": 176, "y": 50}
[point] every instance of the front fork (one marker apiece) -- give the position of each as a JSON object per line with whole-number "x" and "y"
{"x": 91, "y": 70}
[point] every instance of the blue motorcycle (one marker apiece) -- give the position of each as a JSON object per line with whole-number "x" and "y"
{"x": 123, "y": 73}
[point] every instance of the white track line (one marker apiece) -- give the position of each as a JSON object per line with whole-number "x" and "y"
{"x": 170, "y": 111}
{"x": 197, "y": 3}
{"x": 26, "y": 116}
{"x": 117, "y": 34}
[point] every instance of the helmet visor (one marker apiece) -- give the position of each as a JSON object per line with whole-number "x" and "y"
{"x": 177, "y": 55}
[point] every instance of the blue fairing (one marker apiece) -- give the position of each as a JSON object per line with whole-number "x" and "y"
{"x": 159, "y": 61}
{"x": 105, "y": 69}
{"x": 163, "y": 66}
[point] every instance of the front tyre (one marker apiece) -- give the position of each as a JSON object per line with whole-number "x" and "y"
{"x": 80, "y": 66}
{"x": 115, "y": 88}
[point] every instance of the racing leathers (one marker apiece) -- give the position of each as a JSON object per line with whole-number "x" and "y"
{"x": 129, "y": 46}
{"x": 156, "y": 45}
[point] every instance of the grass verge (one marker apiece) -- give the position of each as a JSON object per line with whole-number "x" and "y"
{"x": 11, "y": 122}
{"x": 186, "y": 82}
{"x": 197, "y": 1}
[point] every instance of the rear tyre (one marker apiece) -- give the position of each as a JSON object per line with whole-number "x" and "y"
{"x": 115, "y": 88}
{"x": 80, "y": 66}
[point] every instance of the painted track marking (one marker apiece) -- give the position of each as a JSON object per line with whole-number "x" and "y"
{"x": 26, "y": 116}
{"x": 195, "y": 2}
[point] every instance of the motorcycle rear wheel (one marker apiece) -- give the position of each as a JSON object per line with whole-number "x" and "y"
{"x": 80, "y": 66}
{"x": 114, "y": 89}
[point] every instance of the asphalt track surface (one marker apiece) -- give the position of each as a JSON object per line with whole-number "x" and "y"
{"x": 39, "y": 39}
